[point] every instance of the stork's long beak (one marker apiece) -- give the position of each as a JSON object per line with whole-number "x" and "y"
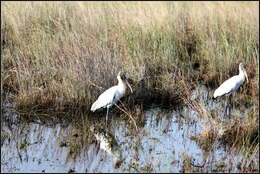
{"x": 246, "y": 76}
{"x": 129, "y": 86}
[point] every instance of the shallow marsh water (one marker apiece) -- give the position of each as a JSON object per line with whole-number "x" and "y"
{"x": 163, "y": 144}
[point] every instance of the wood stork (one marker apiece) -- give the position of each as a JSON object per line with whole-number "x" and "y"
{"x": 231, "y": 85}
{"x": 111, "y": 96}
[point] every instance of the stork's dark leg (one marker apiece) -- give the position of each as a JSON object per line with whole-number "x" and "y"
{"x": 225, "y": 113}
{"x": 229, "y": 103}
{"x": 107, "y": 115}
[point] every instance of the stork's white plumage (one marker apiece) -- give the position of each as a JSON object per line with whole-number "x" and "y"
{"x": 111, "y": 96}
{"x": 232, "y": 84}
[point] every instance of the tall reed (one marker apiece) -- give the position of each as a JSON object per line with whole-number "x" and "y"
{"x": 62, "y": 55}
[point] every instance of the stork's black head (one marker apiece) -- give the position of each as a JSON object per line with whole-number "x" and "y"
{"x": 122, "y": 75}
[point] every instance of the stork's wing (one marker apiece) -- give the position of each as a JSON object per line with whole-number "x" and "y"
{"x": 105, "y": 99}
{"x": 228, "y": 86}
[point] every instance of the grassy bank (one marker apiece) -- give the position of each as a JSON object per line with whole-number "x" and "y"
{"x": 59, "y": 56}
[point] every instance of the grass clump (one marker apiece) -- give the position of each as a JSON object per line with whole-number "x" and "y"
{"x": 59, "y": 56}
{"x": 240, "y": 138}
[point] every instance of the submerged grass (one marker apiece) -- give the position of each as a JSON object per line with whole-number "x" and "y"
{"x": 240, "y": 138}
{"x": 59, "y": 56}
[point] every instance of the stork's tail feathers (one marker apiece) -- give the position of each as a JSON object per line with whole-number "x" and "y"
{"x": 214, "y": 98}
{"x": 93, "y": 107}
{"x": 215, "y": 95}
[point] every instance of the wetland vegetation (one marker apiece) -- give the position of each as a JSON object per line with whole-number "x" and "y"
{"x": 58, "y": 57}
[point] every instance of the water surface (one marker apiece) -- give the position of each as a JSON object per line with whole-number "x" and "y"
{"x": 163, "y": 144}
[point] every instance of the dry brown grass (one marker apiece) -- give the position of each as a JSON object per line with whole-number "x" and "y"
{"x": 59, "y": 56}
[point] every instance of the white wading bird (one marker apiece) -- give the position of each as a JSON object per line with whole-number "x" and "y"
{"x": 111, "y": 96}
{"x": 232, "y": 84}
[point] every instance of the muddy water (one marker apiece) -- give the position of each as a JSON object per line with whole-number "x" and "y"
{"x": 164, "y": 144}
